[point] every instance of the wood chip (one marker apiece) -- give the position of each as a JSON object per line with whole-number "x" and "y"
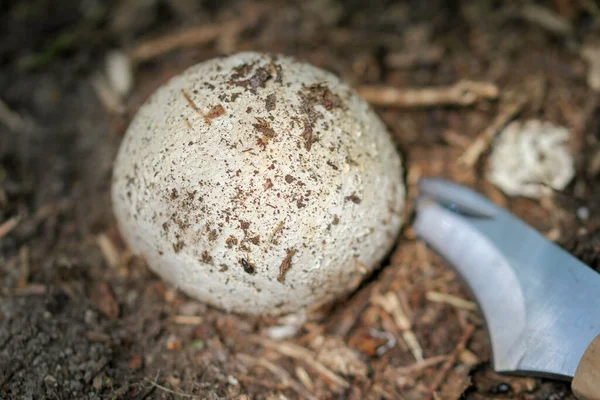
{"x": 391, "y": 305}
{"x": 463, "y": 93}
{"x": 468, "y": 357}
{"x": 507, "y": 112}
{"x": 451, "y": 300}
{"x": 304, "y": 355}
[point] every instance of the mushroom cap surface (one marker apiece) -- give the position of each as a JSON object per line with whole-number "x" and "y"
{"x": 259, "y": 184}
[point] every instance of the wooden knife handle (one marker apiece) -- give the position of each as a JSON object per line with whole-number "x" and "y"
{"x": 586, "y": 383}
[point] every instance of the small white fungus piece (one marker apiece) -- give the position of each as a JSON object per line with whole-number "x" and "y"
{"x": 530, "y": 159}
{"x": 119, "y": 72}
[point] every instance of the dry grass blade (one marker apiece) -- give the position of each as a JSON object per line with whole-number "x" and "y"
{"x": 463, "y": 93}
{"x": 302, "y": 354}
{"x": 480, "y": 145}
{"x": 451, "y": 300}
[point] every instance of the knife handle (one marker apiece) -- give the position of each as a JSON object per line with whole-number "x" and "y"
{"x": 586, "y": 382}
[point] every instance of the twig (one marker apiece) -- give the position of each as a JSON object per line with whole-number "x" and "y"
{"x": 547, "y": 19}
{"x": 167, "y": 390}
{"x": 187, "y": 319}
{"x": 304, "y": 378}
{"x": 480, "y": 145}
{"x": 451, "y": 300}
{"x": 196, "y": 36}
{"x": 439, "y": 379}
{"x": 463, "y": 93}
{"x": 7, "y": 226}
{"x": 302, "y": 354}
{"x": 35, "y": 289}
{"x": 421, "y": 365}
{"x": 282, "y": 374}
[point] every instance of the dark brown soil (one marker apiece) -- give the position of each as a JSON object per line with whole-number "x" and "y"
{"x": 80, "y": 318}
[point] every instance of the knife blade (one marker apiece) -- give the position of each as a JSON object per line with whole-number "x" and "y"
{"x": 541, "y": 304}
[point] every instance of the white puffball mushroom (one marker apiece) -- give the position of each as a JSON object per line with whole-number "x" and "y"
{"x": 259, "y": 184}
{"x": 529, "y": 158}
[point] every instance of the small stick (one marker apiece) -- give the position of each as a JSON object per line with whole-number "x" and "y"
{"x": 481, "y": 144}
{"x": 34, "y": 289}
{"x": 421, "y": 365}
{"x": 187, "y": 319}
{"x": 7, "y": 226}
{"x": 285, "y": 378}
{"x": 302, "y": 354}
{"x": 439, "y": 379}
{"x": 196, "y": 36}
{"x": 304, "y": 378}
{"x": 463, "y": 93}
{"x": 451, "y": 300}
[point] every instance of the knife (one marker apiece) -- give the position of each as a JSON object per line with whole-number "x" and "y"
{"x": 541, "y": 304}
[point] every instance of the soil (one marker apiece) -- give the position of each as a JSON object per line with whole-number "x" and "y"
{"x": 81, "y": 318}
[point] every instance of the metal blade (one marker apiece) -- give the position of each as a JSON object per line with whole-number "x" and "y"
{"x": 541, "y": 305}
